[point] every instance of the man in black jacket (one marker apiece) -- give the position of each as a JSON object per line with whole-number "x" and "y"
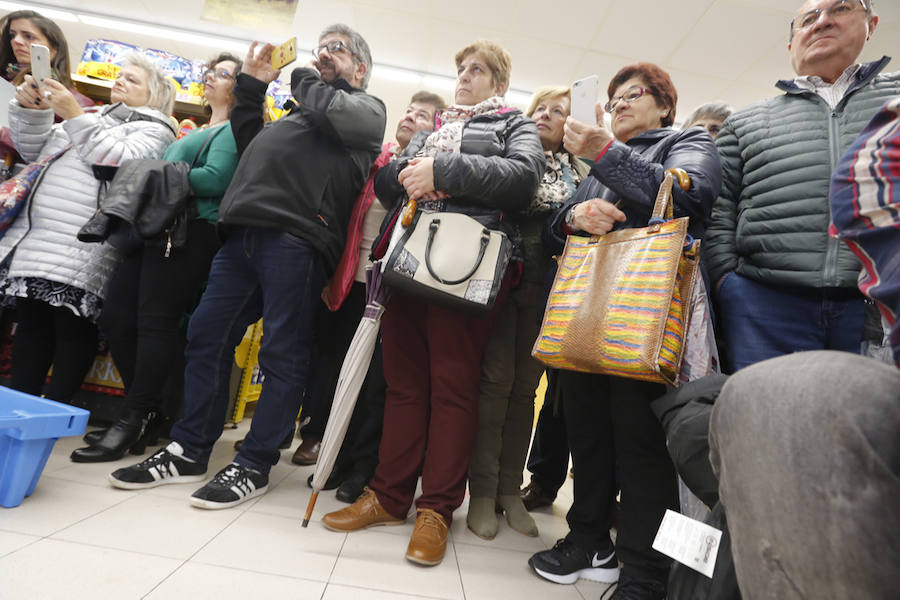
{"x": 284, "y": 218}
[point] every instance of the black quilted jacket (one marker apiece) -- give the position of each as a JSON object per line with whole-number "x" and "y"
{"x": 632, "y": 172}
{"x": 492, "y": 177}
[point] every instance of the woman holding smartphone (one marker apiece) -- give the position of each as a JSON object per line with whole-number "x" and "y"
{"x": 616, "y": 441}
{"x": 18, "y": 30}
{"x": 59, "y": 283}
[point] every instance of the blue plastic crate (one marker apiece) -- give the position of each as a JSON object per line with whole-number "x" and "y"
{"x": 29, "y": 426}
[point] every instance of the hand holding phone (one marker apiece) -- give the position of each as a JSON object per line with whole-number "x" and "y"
{"x": 584, "y": 99}
{"x": 40, "y": 62}
{"x": 284, "y": 54}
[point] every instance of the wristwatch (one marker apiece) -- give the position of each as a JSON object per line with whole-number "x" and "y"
{"x": 570, "y": 218}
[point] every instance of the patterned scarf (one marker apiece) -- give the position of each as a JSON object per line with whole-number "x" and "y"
{"x": 450, "y": 121}
{"x": 557, "y": 185}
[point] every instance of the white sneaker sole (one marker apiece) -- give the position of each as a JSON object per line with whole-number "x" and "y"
{"x": 210, "y": 505}
{"x": 591, "y": 574}
{"x": 129, "y": 485}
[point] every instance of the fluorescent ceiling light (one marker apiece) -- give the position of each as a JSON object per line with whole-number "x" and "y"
{"x": 398, "y": 74}
{"x": 518, "y": 97}
{"x": 50, "y": 13}
{"x": 166, "y": 33}
{"x": 439, "y": 82}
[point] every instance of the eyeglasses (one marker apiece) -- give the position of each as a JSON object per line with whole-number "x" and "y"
{"x": 333, "y": 47}
{"x": 217, "y": 73}
{"x": 630, "y": 95}
{"x": 839, "y": 10}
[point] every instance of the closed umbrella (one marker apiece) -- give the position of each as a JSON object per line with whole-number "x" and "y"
{"x": 350, "y": 381}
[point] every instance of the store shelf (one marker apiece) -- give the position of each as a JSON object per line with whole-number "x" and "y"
{"x": 98, "y": 89}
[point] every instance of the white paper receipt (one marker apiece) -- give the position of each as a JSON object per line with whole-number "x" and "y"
{"x": 690, "y": 542}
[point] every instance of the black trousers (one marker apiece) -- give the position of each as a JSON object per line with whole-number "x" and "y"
{"x": 51, "y": 335}
{"x": 548, "y": 459}
{"x": 333, "y": 334}
{"x": 145, "y": 304}
{"x": 617, "y": 442}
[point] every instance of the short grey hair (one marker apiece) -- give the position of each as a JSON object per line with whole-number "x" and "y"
{"x": 162, "y": 92}
{"x": 712, "y": 110}
{"x": 358, "y": 47}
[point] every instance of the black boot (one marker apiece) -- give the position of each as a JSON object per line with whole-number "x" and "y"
{"x": 124, "y": 433}
{"x": 92, "y": 437}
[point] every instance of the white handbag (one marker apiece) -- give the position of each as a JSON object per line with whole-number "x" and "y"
{"x": 450, "y": 259}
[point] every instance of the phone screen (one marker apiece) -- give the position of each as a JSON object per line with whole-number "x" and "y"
{"x": 40, "y": 62}
{"x": 584, "y": 98}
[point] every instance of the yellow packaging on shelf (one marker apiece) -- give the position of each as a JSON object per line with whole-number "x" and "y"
{"x": 246, "y": 355}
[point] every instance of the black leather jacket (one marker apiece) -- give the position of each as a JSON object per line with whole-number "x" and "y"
{"x": 146, "y": 193}
{"x": 492, "y": 177}
{"x": 632, "y": 172}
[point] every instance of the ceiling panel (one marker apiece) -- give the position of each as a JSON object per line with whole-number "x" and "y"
{"x": 720, "y": 42}
{"x": 649, "y": 30}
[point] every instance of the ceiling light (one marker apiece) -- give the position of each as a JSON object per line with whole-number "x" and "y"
{"x": 50, "y": 13}
{"x": 398, "y": 74}
{"x": 167, "y": 33}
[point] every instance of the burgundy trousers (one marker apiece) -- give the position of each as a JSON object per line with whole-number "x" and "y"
{"x": 432, "y": 365}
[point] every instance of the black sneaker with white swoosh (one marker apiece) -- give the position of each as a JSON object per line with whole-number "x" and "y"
{"x": 231, "y": 486}
{"x": 566, "y": 563}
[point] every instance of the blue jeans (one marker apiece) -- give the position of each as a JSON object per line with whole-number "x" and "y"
{"x": 761, "y": 321}
{"x": 257, "y": 273}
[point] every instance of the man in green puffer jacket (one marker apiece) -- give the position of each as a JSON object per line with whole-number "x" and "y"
{"x": 782, "y": 284}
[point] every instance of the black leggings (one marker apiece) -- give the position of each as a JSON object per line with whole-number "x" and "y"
{"x": 50, "y": 335}
{"x": 145, "y": 303}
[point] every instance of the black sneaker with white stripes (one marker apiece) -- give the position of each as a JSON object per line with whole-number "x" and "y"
{"x": 231, "y": 486}
{"x": 567, "y": 562}
{"x": 167, "y": 465}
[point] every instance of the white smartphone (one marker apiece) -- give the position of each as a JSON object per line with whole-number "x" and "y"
{"x": 584, "y": 99}
{"x": 40, "y": 62}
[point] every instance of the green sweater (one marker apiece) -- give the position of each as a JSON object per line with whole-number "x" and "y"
{"x": 213, "y": 168}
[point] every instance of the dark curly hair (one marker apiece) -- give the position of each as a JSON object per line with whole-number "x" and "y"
{"x": 657, "y": 81}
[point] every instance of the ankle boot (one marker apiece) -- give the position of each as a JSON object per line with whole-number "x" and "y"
{"x": 481, "y": 518}
{"x": 517, "y": 516}
{"x": 123, "y": 434}
{"x": 92, "y": 437}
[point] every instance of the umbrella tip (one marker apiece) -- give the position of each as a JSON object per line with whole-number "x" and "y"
{"x": 305, "y": 522}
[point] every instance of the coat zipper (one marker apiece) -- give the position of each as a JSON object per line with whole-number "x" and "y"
{"x": 830, "y": 273}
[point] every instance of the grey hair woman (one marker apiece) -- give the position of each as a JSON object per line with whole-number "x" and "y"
{"x": 710, "y": 117}
{"x": 59, "y": 284}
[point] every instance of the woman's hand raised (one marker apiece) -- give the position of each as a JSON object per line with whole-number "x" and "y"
{"x": 587, "y": 139}
{"x": 61, "y": 100}
{"x": 28, "y": 94}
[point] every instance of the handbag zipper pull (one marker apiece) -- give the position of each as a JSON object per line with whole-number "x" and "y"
{"x": 168, "y": 244}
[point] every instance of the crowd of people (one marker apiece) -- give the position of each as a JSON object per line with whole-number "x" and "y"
{"x": 449, "y": 395}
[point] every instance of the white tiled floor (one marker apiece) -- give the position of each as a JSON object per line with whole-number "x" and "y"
{"x": 76, "y": 537}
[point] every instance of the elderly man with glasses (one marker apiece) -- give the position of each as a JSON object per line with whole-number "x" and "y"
{"x": 782, "y": 284}
{"x": 284, "y": 219}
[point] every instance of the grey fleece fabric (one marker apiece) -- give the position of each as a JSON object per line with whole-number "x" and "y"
{"x": 807, "y": 452}
{"x": 770, "y": 221}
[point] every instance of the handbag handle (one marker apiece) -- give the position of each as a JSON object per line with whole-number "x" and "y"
{"x": 432, "y": 231}
{"x": 662, "y": 209}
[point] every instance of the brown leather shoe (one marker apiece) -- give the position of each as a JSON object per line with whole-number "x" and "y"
{"x": 307, "y": 452}
{"x": 429, "y": 539}
{"x": 533, "y": 496}
{"x": 364, "y": 513}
